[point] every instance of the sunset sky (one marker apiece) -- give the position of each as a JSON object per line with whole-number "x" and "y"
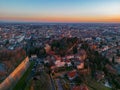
{"x": 60, "y": 10}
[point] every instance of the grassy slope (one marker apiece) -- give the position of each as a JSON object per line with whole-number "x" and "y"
{"x": 21, "y": 83}
{"x": 42, "y": 84}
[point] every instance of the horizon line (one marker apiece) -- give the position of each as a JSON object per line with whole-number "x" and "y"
{"x": 58, "y": 22}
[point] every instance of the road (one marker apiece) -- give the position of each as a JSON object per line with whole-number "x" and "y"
{"x": 52, "y": 82}
{"x": 71, "y": 48}
{"x": 59, "y": 85}
{"x": 111, "y": 48}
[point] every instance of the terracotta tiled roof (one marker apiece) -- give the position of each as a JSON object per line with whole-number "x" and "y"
{"x": 72, "y": 74}
{"x": 81, "y": 87}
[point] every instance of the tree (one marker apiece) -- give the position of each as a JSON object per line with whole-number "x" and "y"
{"x": 118, "y": 52}
{"x": 75, "y": 50}
{"x": 117, "y": 43}
{"x": 113, "y": 59}
{"x": 41, "y": 52}
{"x": 7, "y": 42}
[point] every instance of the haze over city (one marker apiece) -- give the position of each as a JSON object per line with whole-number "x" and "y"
{"x": 60, "y": 11}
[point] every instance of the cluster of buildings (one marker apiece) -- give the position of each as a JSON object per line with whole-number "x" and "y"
{"x": 104, "y": 38}
{"x": 57, "y": 61}
{"x": 70, "y": 65}
{"x": 17, "y": 33}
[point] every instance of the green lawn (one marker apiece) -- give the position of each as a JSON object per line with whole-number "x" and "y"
{"x": 69, "y": 68}
{"x": 94, "y": 85}
{"x": 21, "y": 83}
{"x": 29, "y": 85}
{"x": 42, "y": 84}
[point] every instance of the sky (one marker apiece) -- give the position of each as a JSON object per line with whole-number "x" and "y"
{"x": 60, "y": 10}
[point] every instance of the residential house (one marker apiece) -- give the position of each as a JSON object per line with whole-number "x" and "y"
{"x": 72, "y": 74}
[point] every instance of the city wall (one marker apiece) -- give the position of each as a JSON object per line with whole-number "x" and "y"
{"x": 14, "y": 77}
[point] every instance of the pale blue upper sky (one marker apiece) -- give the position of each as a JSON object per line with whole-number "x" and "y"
{"x": 59, "y": 8}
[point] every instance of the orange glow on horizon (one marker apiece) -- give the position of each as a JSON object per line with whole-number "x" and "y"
{"x": 63, "y": 19}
